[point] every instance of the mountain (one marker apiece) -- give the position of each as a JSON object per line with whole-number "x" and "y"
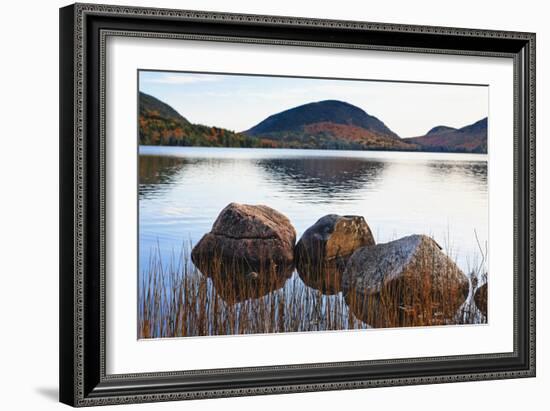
{"x": 329, "y": 124}
{"x": 151, "y": 106}
{"x": 440, "y": 129}
{"x": 327, "y": 111}
{"x": 160, "y": 124}
{"x": 469, "y": 139}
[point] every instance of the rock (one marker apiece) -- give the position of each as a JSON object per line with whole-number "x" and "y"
{"x": 407, "y": 282}
{"x": 256, "y": 235}
{"x": 322, "y": 252}
{"x": 480, "y": 298}
{"x": 249, "y": 250}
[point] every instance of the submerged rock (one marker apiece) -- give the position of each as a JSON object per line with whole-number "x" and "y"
{"x": 407, "y": 282}
{"x": 248, "y": 252}
{"x": 480, "y": 298}
{"x": 322, "y": 252}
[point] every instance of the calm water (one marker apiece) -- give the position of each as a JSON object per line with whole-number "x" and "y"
{"x": 182, "y": 190}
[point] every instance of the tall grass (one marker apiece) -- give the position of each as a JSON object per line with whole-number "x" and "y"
{"x": 316, "y": 270}
{"x": 178, "y": 300}
{"x": 469, "y": 313}
{"x": 426, "y": 293}
{"x": 175, "y": 299}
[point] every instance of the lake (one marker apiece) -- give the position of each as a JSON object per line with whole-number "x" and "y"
{"x": 444, "y": 195}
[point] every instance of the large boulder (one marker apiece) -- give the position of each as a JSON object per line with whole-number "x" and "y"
{"x": 406, "y": 282}
{"x": 480, "y": 298}
{"x": 248, "y": 252}
{"x": 322, "y": 252}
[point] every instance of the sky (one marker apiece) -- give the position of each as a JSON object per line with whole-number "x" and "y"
{"x": 239, "y": 102}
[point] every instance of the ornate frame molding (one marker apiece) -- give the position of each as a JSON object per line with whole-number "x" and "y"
{"x": 83, "y": 378}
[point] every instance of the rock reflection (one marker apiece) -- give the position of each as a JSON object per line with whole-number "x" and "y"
{"x": 235, "y": 282}
{"x": 320, "y": 180}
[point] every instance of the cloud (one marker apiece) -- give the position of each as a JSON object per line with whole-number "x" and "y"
{"x": 181, "y": 79}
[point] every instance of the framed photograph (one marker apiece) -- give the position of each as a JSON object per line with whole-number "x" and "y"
{"x": 261, "y": 204}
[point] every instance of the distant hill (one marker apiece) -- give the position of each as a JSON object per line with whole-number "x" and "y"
{"x": 329, "y": 124}
{"x": 153, "y": 107}
{"x": 469, "y": 139}
{"x": 327, "y": 111}
{"x": 160, "y": 124}
{"x": 439, "y": 129}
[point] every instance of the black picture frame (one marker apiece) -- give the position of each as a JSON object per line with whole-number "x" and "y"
{"x": 83, "y": 29}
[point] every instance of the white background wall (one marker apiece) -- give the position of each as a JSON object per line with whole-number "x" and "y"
{"x": 29, "y": 203}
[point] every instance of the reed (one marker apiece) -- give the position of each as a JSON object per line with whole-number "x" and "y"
{"x": 175, "y": 299}
{"x": 424, "y": 295}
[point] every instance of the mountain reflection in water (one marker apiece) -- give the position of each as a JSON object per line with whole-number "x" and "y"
{"x": 322, "y": 180}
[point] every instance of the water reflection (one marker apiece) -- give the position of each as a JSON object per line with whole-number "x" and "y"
{"x": 235, "y": 286}
{"x": 182, "y": 191}
{"x": 475, "y": 171}
{"x": 158, "y": 172}
{"x": 321, "y": 180}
